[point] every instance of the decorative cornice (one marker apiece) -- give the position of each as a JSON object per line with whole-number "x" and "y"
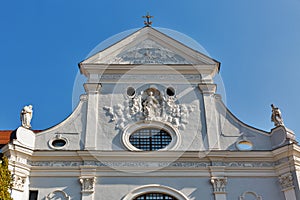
{"x": 150, "y": 164}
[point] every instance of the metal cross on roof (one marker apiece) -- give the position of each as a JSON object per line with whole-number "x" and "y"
{"x": 148, "y": 17}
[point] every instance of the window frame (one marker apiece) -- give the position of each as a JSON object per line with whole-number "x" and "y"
{"x": 155, "y": 188}
{"x": 153, "y": 141}
{"x": 167, "y": 127}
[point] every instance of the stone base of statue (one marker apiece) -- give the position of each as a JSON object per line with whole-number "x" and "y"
{"x": 25, "y": 137}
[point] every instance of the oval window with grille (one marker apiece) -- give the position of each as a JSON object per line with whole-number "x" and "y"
{"x": 150, "y": 139}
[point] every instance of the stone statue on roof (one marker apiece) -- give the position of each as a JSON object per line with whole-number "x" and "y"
{"x": 26, "y": 116}
{"x": 276, "y": 116}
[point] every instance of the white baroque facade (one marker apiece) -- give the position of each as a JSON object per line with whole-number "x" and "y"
{"x": 151, "y": 126}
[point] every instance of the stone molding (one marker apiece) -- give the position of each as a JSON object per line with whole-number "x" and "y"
{"x": 256, "y": 196}
{"x": 150, "y": 164}
{"x": 87, "y": 184}
{"x": 219, "y": 184}
{"x": 156, "y": 189}
{"x": 152, "y": 78}
{"x": 286, "y": 181}
{"x": 59, "y": 193}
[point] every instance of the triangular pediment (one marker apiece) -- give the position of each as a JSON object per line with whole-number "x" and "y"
{"x": 148, "y": 52}
{"x": 149, "y": 46}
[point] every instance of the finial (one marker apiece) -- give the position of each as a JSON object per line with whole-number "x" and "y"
{"x": 148, "y": 17}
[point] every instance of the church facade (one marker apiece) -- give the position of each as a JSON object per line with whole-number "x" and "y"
{"x": 151, "y": 126}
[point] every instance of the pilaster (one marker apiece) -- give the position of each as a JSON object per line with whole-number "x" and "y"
{"x": 211, "y": 115}
{"x": 92, "y": 90}
{"x": 287, "y": 186}
{"x": 219, "y": 186}
{"x": 87, "y": 187}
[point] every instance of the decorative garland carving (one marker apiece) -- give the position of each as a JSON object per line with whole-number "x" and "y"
{"x": 150, "y": 105}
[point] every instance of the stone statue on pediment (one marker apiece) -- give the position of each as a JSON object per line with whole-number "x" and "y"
{"x": 276, "y": 116}
{"x": 26, "y": 116}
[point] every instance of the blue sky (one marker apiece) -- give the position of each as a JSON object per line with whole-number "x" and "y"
{"x": 257, "y": 43}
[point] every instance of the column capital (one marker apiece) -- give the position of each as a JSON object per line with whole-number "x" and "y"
{"x": 92, "y": 87}
{"x": 219, "y": 184}
{"x": 207, "y": 88}
{"x": 286, "y": 181}
{"x": 87, "y": 184}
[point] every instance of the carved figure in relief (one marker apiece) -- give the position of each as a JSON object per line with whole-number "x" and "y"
{"x": 26, "y": 116}
{"x": 136, "y": 105}
{"x": 276, "y": 116}
{"x": 151, "y": 104}
{"x": 151, "y": 107}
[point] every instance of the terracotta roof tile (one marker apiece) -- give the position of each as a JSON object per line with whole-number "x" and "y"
{"x": 5, "y": 136}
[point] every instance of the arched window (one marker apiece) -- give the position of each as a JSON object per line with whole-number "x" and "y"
{"x": 155, "y": 192}
{"x": 155, "y": 196}
{"x": 150, "y": 139}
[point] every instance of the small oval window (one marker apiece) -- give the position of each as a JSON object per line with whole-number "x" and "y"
{"x": 170, "y": 91}
{"x": 150, "y": 139}
{"x": 130, "y": 91}
{"x": 244, "y": 145}
{"x": 58, "y": 143}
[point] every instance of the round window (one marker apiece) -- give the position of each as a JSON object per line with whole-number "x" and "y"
{"x": 130, "y": 91}
{"x": 59, "y": 143}
{"x": 244, "y": 145}
{"x": 170, "y": 91}
{"x": 150, "y": 139}
{"x": 155, "y": 196}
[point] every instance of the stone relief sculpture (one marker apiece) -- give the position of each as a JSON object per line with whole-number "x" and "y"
{"x": 26, "y": 116}
{"x": 276, "y": 116}
{"x": 18, "y": 182}
{"x": 150, "y": 105}
{"x": 286, "y": 181}
{"x": 148, "y": 52}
